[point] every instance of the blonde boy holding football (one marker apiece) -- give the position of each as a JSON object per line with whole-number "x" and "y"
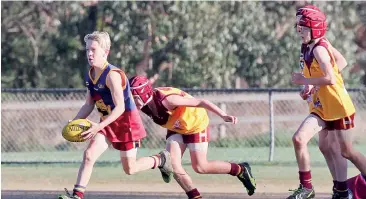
{"x": 120, "y": 124}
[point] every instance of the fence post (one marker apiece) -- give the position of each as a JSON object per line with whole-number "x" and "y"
{"x": 222, "y": 127}
{"x": 271, "y": 126}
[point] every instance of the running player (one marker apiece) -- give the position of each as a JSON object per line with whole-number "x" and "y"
{"x": 336, "y": 163}
{"x": 330, "y": 106}
{"x": 120, "y": 124}
{"x": 186, "y": 121}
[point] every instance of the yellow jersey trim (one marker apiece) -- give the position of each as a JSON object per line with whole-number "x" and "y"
{"x": 97, "y": 78}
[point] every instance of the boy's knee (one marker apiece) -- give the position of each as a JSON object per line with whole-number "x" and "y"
{"x": 347, "y": 153}
{"x": 199, "y": 168}
{"x": 129, "y": 170}
{"x": 298, "y": 141}
{"x": 346, "y": 150}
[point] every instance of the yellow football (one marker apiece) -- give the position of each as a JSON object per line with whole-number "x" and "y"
{"x": 72, "y": 131}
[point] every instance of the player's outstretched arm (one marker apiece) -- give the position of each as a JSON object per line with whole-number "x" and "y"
{"x": 173, "y": 101}
{"x": 87, "y": 108}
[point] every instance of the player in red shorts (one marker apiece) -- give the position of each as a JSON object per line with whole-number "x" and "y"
{"x": 331, "y": 109}
{"x": 120, "y": 125}
{"x": 186, "y": 121}
{"x": 336, "y": 163}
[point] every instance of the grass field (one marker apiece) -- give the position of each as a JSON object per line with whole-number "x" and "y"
{"x": 272, "y": 177}
{"x": 282, "y": 155}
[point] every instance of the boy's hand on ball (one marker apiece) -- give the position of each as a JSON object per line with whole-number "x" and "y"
{"x": 90, "y": 133}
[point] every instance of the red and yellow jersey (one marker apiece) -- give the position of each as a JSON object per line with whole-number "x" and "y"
{"x": 330, "y": 102}
{"x": 183, "y": 120}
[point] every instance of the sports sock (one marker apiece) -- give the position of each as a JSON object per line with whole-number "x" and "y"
{"x": 305, "y": 179}
{"x": 341, "y": 188}
{"x": 157, "y": 161}
{"x": 79, "y": 190}
{"x": 193, "y": 194}
{"x": 235, "y": 169}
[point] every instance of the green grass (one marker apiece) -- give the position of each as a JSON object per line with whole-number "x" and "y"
{"x": 257, "y": 155}
{"x": 62, "y": 167}
{"x": 54, "y": 177}
{"x": 115, "y": 173}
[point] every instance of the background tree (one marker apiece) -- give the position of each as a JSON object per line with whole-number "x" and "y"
{"x": 184, "y": 44}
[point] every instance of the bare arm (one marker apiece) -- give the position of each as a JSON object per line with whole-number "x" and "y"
{"x": 87, "y": 108}
{"x": 341, "y": 63}
{"x": 323, "y": 58}
{"x": 340, "y": 60}
{"x": 114, "y": 83}
{"x": 173, "y": 101}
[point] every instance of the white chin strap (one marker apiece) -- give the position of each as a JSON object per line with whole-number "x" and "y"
{"x": 144, "y": 103}
{"x": 148, "y": 100}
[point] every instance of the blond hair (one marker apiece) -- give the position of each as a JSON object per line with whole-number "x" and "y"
{"x": 101, "y": 37}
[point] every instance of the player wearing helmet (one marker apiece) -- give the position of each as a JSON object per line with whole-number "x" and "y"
{"x": 330, "y": 106}
{"x": 336, "y": 163}
{"x": 186, "y": 120}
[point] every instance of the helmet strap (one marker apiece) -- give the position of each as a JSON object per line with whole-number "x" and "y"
{"x": 311, "y": 41}
{"x": 148, "y": 100}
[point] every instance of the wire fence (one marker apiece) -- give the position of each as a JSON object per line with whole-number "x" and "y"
{"x": 32, "y": 120}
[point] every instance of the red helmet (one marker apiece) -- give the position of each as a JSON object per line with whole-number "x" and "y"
{"x": 306, "y": 9}
{"x": 310, "y": 16}
{"x": 141, "y": 87}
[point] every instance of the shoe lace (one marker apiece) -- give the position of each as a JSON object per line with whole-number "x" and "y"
{"x": 296, "y": 191}
{"x": 67, "y": 192}
{"x": 71, "y": 196}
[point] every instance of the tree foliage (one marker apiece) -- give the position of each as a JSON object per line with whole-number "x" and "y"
{"x": 184, "y": 44}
